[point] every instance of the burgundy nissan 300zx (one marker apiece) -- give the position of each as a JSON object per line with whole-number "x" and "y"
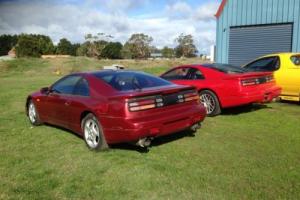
{"x": 114, "y": 106}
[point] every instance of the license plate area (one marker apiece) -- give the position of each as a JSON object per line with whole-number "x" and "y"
{"x": 171, "y": 99}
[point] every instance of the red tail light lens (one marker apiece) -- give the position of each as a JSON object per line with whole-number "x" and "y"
{"x": 191, "y": 96}
{"x": 256, "y": 81}
{"x": 145, "y": 103}
{"x": 248, "y": 82}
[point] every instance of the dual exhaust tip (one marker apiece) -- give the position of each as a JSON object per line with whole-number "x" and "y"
{"x": 146, "y": 142}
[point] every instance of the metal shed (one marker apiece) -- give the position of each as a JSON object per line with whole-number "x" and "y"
{"x": 247, "y": 29}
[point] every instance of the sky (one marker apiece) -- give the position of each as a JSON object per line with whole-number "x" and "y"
{"x": 73, "y": 19}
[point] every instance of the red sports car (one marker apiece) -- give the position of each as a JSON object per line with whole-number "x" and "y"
{"x": 114, "y": 106}
{"x": 223, "y": 86}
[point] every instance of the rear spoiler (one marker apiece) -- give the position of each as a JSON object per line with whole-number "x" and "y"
{"x": 249, "y": 75}
{"x": 152, "y": 91}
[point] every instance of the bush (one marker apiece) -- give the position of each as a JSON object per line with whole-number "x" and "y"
{"x": 31, "y": 45}
{"x": 28, "y": 46}
{"x": 112, "y": 50}
{"x": 7, "y": 42}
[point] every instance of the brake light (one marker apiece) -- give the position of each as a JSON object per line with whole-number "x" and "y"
{"x": 248, "y": 82}
{"x": 256, "y": 81}
{"x": 191, "y": 96}
{"x": 145, "y": 103}
{"x": 149, "y": 102}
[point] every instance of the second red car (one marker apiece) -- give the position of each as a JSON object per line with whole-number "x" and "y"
{"x": 222, "y": 86}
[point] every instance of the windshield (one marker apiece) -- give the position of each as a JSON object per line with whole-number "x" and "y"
{"x": 225, "y": 68}
{"x": 127, "y": 80}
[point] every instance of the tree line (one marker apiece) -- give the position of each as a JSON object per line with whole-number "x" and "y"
{"x": 138, "y": 46}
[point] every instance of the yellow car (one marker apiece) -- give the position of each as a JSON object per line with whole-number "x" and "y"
{"x": 286, "y": 68}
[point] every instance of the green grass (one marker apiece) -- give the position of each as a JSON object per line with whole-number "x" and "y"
{"x": 245, "y": 153}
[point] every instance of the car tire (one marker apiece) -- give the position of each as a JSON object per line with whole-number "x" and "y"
{"x": 210, "y": 102}
{"x": 32, "y": 114}
{"x": 93, "y": 133}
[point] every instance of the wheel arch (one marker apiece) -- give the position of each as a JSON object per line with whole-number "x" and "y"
{"x": 28, "y": 99}
{"x": 84, "y": 114}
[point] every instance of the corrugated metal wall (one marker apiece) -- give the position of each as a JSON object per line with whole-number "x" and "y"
{"x": 249, "y": 42}
{"x": 255, "y": 12}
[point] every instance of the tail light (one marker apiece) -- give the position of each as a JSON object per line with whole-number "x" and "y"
{"x": 190, "y": 96}
{"x": 248, "y": 82}
{"x": 145, "y": 103}
{"x": 150, "y": 102}
{"x": 256, "y": 81}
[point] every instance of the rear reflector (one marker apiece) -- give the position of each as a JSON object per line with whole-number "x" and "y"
{"x": 149, "y": 102}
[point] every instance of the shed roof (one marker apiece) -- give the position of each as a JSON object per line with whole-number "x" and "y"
{"x": 220, "y": 9}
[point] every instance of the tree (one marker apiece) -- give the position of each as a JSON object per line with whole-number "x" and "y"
{"x": 64, "y": 47}
{"x": 139, "y": 45}
{"x": 83, "y": 49}
{"x": 185, "y": 46}
{"x": 28, "y": 46}
{"x": 95, "y": 44}
{"x": 126, "y": 52}
{"x": 168, "y": 52}
{"x": 74, "y": 49}
{"x": 45, "y": 44}
{"x": 112, "y": 50}
{"x": 7, "y": 42}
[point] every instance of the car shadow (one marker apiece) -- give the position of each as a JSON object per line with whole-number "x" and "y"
{"x": 244, "y": 109}
{"x": 289, "y": 102}
{"x": 131, "y": 146}
{"x": 155, "y": 142}
{"x": 64, "y": 129}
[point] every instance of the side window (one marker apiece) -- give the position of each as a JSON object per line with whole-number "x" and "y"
{"x": 195, "y": 74}
{"x": 177, "y": 74}
{"x": 296, "y": 60}
{"x": 264, "y": 64}
{"x": 66, "y": 85}
{"x": 82, "y": 88}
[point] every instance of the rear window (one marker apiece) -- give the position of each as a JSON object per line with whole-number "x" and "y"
{"x": 225, "y": 68}
{"x": 124, "y": 81}
{"x": 296, "y": 60}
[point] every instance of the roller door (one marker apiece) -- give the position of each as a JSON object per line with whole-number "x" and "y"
{"x": 249, "y": 42}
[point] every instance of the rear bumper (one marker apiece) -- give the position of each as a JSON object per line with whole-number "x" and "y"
{"x": 259, "y": 96}
{"x": 131, "y": 130}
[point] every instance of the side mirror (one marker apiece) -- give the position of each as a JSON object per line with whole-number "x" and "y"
{"x": 45, "y": 90}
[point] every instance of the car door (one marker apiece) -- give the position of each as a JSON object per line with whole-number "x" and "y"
{"x": 59, "y": 100}
{"x": 79, "y": 103}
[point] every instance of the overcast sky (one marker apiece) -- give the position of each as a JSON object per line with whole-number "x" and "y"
{"x": 72, "y": 19}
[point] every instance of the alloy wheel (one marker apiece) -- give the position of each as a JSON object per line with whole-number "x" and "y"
{"x": 209, "y": 102}
{"x": 91, "y": 133}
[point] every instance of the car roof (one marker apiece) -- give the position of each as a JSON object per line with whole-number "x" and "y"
{"x": 280, "y": 54}
{"x": 105, "y": 72}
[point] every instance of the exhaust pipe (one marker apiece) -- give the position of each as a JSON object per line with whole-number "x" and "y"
{"x": 144, "y": 142}
{"x": 195, "y": 127}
